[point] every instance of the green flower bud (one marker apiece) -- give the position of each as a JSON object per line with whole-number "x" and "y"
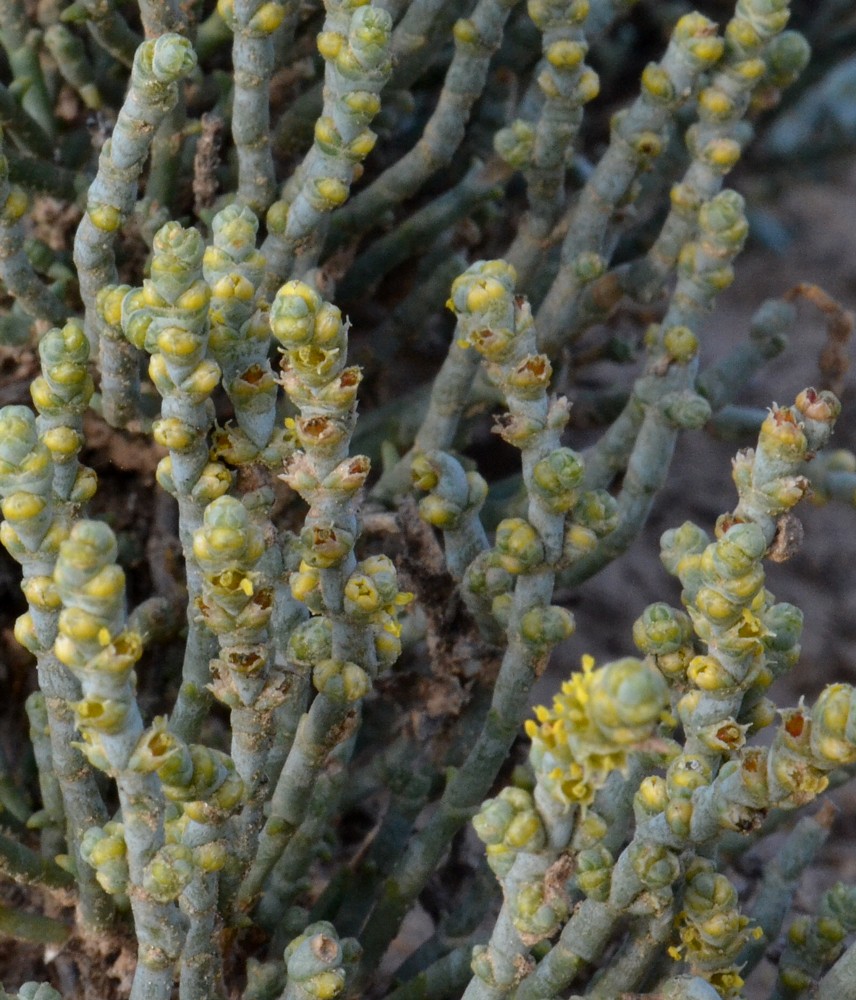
{"x": 64, "y": 354}
{"x": 485, "y": 576}
{"x": 369, "y": 35}
{"x": 177, "y": 263}
{"x": 661, "y": 629}
{"x": 740, "y": 548}
{"x": 486, "y": 287}
{"x": 833, "y": 728}
{"x": 657, "y": 85}
{"x": 786, "y": 56}
{"x": 597, "y": 511}
{"x": 677, "y": 543}
{"x": 656, "y": 866}
{"x": 840, "y": 901}
{"x": 686, "y": 410}
{"x": 172, "y": 57}
{"x": 681, "y": 344}
{"x": 292, "y": 315}
{"x": 698, "y": 37}
{"x": 686, "y": 773}
{"x": 501, "y": 608}
{"x": 590, "y": 830}
{"x": 326, "y": 546}
{"x": 169, "y": 872}
{"x": 515, "y": 144}
{"x": 530, "y": 378}
{"x": 495, "y": 815}
{"x": 589, "y": 266}
{"x": 556, "y": 478}
{"x": 518, "y": 546}
{"x": 387, "y": 641}
{"x": 628, "y": 697}
{"x": 423, "y": 472}
{"x": 651, "y": 798}
{"x": 565, "y": 54}
{"x": 509, "y": 824}
{"x": 544, "y": 628}
{"x": 679, "y": 816}
{"x": 533, "y": 915}
{"x": 316, "y": 961}
{"x": 311, "y": 642}
{"x": 717, "y": 608}
{"x": 784, "y": 625}
{"x": 227, "y": 539}
{"x": 211, "y": 857}
{"x": 341, "y": 681}
{"x": 25, "y": 463}
{"x": 440, "y": 512}
{"x": 482, "y": 966}
{"x": 594, "y": 873}
{"x": 709, "y": 674}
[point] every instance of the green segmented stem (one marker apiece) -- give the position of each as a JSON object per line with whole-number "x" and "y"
{"x": 168, "y": 317}
{"x": 253, "y": 23}
{"x": 61, "y": 395}
{"x": 637, "y": 135}
{"x": 354, "y": 604}
{"x": 93, "y": 644}
{"x": 355, "y": 45}
{"x": 236, "y": 603}
{"x": 544, "y": 149}
{"x": 107, "y": 26}
{"x": 52, "y": 818}
{"x": 25, "y": 867}
{"x": 21, "y": 46}
{"x": 118, "y": 360}
{"x": 780, "y": 881}
{"x": 32, "y": 532}
{"x": 663, "y": 398}
{"x": 15, "y": 120}
{"x": 73, "y": 63}
{"x": 240, "y": 332}
{"x": 476, "y": 39}
{"x": 16, "y": 271}
{"x": 716, "y": 140}
{"x": 159, "y": 65}
{"x": 698, "y": 797}
{"x": 500, "y": 329}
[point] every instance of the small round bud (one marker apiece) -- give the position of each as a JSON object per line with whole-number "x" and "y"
{"x": 680, "y": 343}
{"x": 341, "y": 681}
{"x": 105, "y": 217}
{"x": 515, "y": 144}
{"x": 518, "y": 545}
{"x": 628, "y": 698}
{"x": 661, "y": 629}
{"x": 544, "y": 628}
{"x": 657, "y": 85}
{"x": 652, "y": 796}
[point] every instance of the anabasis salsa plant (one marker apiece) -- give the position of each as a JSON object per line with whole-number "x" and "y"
{"x": 299, "y": 729}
